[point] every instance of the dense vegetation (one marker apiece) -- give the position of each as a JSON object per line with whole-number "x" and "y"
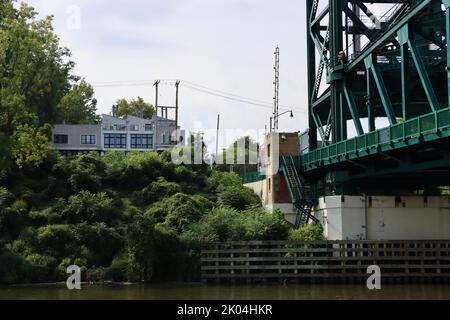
{"x": 135, "y": 217}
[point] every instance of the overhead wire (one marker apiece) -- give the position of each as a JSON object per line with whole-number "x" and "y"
{"x": 201, "y": 89}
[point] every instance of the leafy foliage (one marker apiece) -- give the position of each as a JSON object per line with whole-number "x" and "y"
{"x": 312, "y": 232}
{"x": 78, "y": 106}
{"x": 227, "y": 224}
{"x": 30, "y": 145}
{"x": 136, "y": 107}
{"x": 238, "y": 198}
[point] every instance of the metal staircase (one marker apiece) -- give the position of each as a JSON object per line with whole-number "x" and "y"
{"x": 300, "y": 194}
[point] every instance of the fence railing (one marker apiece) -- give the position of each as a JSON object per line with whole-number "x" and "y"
{"x": 252, "y": 177}
{"x": 426, "y": 125}
{"x": 282, "y": 260}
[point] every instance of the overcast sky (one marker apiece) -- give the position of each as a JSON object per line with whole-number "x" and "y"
{"x": 226, "y": 45}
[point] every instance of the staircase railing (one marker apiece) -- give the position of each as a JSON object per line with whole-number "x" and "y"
{"x": 297, "y": 192}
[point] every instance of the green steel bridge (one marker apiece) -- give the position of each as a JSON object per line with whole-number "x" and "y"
{"x": 379, "y": 87}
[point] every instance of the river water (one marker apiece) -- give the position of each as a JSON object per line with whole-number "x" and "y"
{"x": 208, "y": 292}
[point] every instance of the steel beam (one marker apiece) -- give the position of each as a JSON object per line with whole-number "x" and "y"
{"x": 432, "y": 99}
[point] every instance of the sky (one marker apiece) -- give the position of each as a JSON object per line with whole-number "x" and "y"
{"x": 226, "y": 45}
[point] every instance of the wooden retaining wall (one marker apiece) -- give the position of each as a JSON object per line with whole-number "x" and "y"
{"x": 326, "y": 260}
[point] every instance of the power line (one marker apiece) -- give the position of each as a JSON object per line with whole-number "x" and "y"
{"x": 196, "y": 87}
{"x": 225, "y": 93}
{"x": 266, "y": 105}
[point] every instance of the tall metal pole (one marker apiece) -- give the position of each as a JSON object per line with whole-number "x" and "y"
{"x": 277, "y": 89}
{"x": 177, "y": 86}
{"x": 156, "y": 113}
{"x": 217, "y": 135}
{"x": 177, "y": 108}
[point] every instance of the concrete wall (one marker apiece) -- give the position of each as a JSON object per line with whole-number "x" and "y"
{"x": 385, "y": 218}
{"x": 257, "y": 187}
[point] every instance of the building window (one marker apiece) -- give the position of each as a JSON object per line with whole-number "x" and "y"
{"x": 120, "y": 127}
{"x": 115, "y": 141}
{"x": 88, "y": 139}
{"x": 141, "y": 141}
{"x": 61, "y": 139}
{"x": 148, "y": 127}
{"x": 134, "y": 127}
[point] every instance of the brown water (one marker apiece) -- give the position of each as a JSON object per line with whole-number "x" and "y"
{"x": 203, "y": 292}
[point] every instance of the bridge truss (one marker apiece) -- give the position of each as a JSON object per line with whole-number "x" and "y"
{"x": 379, "y": 87}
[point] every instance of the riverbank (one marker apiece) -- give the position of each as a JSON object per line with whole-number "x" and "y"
{"x": 228, "y": 292}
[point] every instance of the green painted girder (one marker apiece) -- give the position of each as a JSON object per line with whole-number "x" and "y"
{"x": 385, "y": 99}
{"x": 320, "y": 16}
{"x": 426, "y": 128}
{"x": 432, "y": 99}
{"x": 390, "y": 34}
{"x": 325, "y": 97}
{"x": 353, "y": 110}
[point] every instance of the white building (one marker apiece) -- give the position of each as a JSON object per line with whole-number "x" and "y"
{"x": 131, "y": 134}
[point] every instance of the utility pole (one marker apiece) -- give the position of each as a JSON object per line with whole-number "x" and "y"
{"x": 217, "y": 135}
{"x": 156, "y": 113}
{"x": 177, "y": 119}
{"x": 276, "y": 97}
{"x": 177, "y": 86}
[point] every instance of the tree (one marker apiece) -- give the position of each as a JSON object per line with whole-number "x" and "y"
{"x": 30, "y": 145}
{"x": 238, "y": 197}
{"x": 35, "y": 73}
{"x": 136, "y": 107}
{"x": 34, "y": 69}
{"x": 309, "y": 232}
{"x": 243, "y": 155}
{"x": 79, "y": 106}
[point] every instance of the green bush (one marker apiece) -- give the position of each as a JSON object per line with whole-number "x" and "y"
{"x": 156, "y": 191}
{"x": 13, "y": 219}
{"x": 220, "y": 224}
{"x": 118, "y": 270}
{"x": 84, "y": 172}
{"x": 6, "y": 198}
{"x": 238, "y": 197}
{"x": 228, "y": 224}
{"x": 43, "y": 267}
{"x": 89, "y": 207}
{"x": 14, "y": 268}
{"x": 259, "y": 225}
{"x": 310, "y": 232}
{"x": 105, "y": 242}
{"x": 55, "y": 240}
{"x": 183, "y": 210}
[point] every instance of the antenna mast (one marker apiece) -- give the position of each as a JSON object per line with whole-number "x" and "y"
{"x": 276, "y": 97}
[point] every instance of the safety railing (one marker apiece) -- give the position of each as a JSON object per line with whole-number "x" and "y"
{"x": 428, "y": 124}
{"x": 252, "y": 177}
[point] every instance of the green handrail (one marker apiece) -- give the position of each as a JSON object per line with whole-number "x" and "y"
{"x": 434, "y": 122}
